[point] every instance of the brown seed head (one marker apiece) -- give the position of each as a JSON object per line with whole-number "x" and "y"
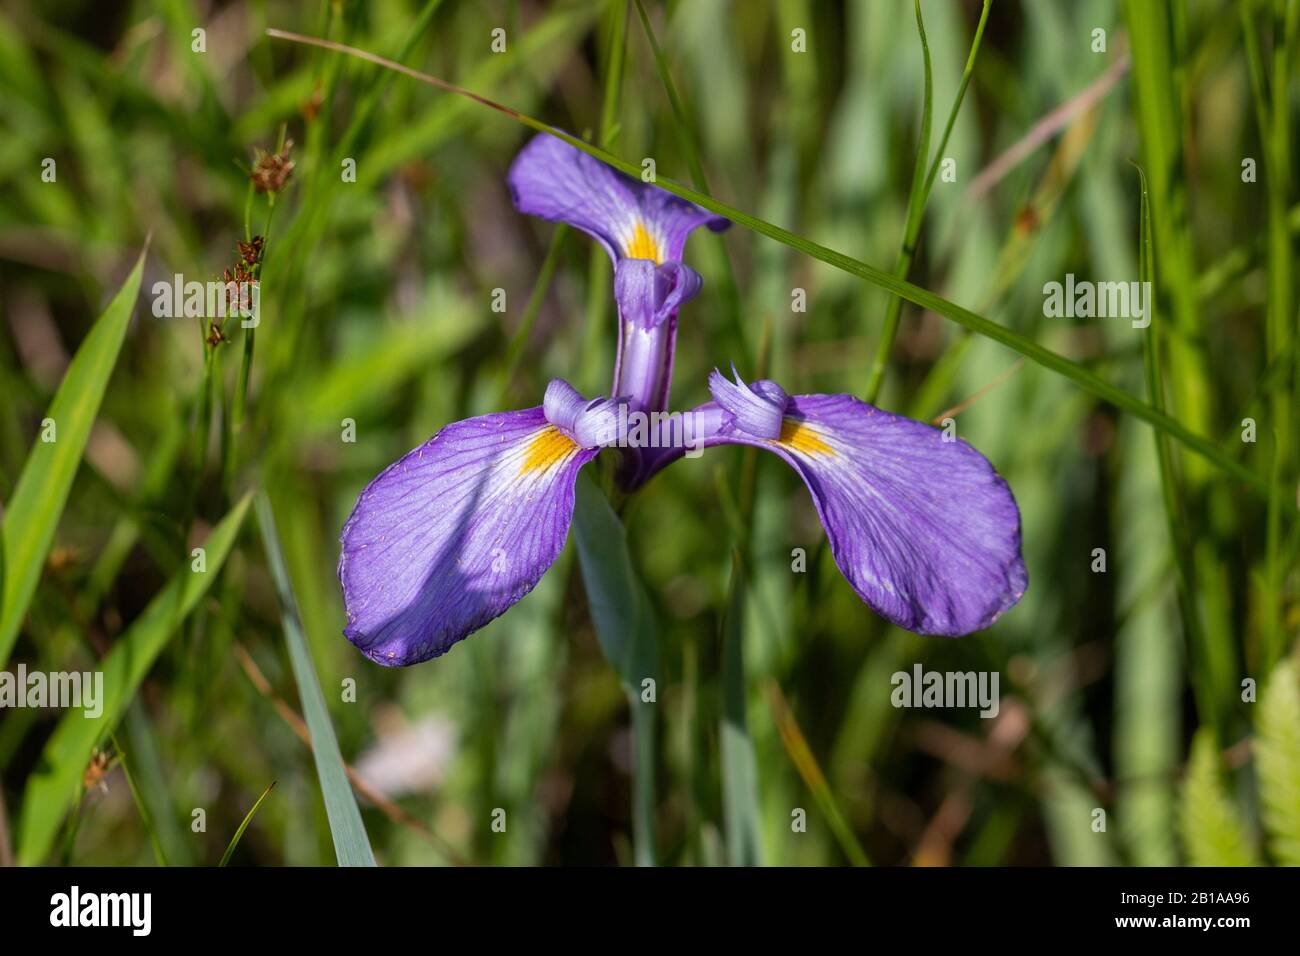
{"x": 272, "y": 170}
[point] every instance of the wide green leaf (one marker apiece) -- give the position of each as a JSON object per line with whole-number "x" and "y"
{"x": 32, "y": 513}
{"x": 55, "y": 784}
{"x": 620, "y": 611}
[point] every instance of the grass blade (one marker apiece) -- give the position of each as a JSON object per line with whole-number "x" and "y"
{"x": 234, "y": 840}
{"x": 351, "y": 845}
{"x": 53, "y": 787}
{"x": 801, "y": 755}
{"x": 32, "y": 512}
{"x": 146, "y": 817}
{"x": 920, "y": 192}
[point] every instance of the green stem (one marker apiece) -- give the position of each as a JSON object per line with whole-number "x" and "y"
{"x": 519, "y": 341}
{"x": 643, "y": 781}
{"x": 920, "y": 193}
{"x": 730, "y": 289}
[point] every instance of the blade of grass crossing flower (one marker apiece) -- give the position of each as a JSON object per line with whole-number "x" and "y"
{"x": 982, "y": 325}
{"x": 243, "y": 825}
{"x": 351, "y": 846}
{"x": 52, "y": 789}
{"x": 739, "y": 767}
{"x": 620, "y": 612}
{"x": 31, "y": 515}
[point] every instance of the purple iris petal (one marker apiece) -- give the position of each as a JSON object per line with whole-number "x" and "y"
{"x": 631, "y": 219}
{"x": 924, "y": 529}
{"x": 648, "y": 294}
{"x": 461, "y": 528}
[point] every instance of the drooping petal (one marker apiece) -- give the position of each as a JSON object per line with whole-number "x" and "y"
{"x": 924, "y": 529}
{"x": 455, "y": 532}
{"x": 631, "y": 219}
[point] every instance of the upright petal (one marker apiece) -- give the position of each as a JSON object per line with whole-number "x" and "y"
{"x": 648, "y": 298}
{"x": 631, "y": 219}
{"x": 455, "y": 532}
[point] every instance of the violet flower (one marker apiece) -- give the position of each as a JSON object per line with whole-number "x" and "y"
{"x": 460, "y": 529}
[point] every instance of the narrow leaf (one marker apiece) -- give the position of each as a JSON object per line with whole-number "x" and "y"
{"x": 32, "y": 513}
{"x": 243, "y": 825}
{"x": 351, "y": 845}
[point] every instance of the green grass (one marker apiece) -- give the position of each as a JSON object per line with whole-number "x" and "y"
{"x": 1121, "y": 690}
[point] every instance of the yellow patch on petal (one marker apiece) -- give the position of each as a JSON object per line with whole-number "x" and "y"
{"x": 802, "y": 437}
{"x": 549, "y": 447}
{"x": 643, "y": 245}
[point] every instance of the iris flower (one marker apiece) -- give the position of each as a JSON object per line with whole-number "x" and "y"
{"x": 461, "y": 528}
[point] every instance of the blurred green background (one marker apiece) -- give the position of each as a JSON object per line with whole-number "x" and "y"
{"x": 1121, "y": 690}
